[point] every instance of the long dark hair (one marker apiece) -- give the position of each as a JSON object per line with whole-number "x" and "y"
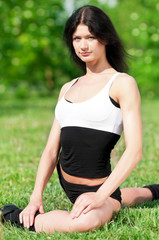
{"x": 100, "y": 25}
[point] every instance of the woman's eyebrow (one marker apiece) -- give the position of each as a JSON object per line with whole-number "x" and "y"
{"x": 77, "y": 35}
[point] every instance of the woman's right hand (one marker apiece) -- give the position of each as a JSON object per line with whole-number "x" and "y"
{"x": 27, "y": 215}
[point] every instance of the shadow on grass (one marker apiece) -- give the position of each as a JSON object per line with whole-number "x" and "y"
{"x": 148, "y": 204}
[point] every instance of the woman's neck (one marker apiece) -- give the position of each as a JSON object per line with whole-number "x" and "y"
{"x": 98, "y": 68}
{"x": 102, "y": 71}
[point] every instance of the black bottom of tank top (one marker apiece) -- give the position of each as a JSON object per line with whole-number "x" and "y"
{"x": 86, "y": 152}
{"x": 73, "y": 190}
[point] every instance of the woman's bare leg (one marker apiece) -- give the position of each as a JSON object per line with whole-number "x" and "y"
{"x": 61, "y": 220}
{"x": 133, "y": 196}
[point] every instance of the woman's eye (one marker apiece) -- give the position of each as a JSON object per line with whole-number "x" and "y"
{"x": 91, "y": 37}
{"x": 76, "y": 38}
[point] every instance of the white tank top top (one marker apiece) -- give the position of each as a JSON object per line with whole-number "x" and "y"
{"x": 97, "y": 113}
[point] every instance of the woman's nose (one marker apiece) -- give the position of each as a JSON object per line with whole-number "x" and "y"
{"x": 84, "y": 44}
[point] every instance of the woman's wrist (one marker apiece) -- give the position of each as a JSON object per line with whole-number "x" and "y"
{"x": 101, "y": 195}
{"x": 36, "y": 197}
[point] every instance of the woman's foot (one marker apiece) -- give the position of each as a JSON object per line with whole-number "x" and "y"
{"x": 154, "y": 188}
{"x": 10, "y": 212}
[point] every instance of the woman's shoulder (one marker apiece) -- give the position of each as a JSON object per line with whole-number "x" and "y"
{"x": 125, "y": 78}
{"x": 125, "y": 81}
{"x": 124, "y": 85}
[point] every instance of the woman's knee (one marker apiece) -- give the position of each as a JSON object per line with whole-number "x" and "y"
{"x": 96, "y": 217}
{"x": 86, "y": 223}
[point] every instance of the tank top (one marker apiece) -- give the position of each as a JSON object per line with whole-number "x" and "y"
{"x": 89, "y": 131}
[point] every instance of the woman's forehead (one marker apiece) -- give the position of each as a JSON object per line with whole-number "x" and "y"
{"x": 82, "y": 29}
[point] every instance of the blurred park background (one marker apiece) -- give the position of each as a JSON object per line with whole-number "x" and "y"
{"x": 35, "y": 61}
{"x": 34, "y": 64}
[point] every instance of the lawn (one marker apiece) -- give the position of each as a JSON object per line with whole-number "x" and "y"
{"x": 24, "y": 128}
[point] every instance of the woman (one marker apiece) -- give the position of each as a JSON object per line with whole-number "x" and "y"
{"x": 91, "y": 112}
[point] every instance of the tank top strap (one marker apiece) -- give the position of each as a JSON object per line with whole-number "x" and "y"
{"x": 73, "y": 82}
{"x": 112, "y": 79}
{"x": 110, "y": 82}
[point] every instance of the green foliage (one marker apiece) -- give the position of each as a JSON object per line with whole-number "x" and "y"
{"x": 34, "y": 58}
{"x": 137, "y": 22}
{"x": 32, "y": 52}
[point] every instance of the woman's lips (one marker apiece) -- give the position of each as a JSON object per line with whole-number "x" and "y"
{"x": 85, "y": 54}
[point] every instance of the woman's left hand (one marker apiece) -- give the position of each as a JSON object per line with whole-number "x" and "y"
{"x": 86, "y": 202}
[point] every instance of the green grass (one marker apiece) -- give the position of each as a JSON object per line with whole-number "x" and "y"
{"x": 24, "y": 128}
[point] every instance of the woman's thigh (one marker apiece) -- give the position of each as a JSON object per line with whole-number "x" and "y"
{"x": 61, "y": 221}
{"x": 96, "y": 217}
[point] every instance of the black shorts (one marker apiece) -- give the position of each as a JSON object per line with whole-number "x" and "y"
{"x": 73, "y": 190}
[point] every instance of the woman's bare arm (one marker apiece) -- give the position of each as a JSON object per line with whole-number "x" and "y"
{"x": 46, "y": 167}
{"x": 129, "y": 99}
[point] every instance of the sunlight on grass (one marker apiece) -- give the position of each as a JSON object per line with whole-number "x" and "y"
{"x": 1, "y": 231}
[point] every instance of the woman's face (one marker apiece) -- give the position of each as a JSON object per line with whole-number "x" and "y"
{"x": 86, "y": 45}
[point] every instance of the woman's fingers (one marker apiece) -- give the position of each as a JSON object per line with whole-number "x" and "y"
{"x": 77, "y": 203}
{"x": 21, "y": 217}
{"x": 85, "y": 203}
{"x": 41, "y": 209}
{"x": 27, "y": 221}
{"x": 89, "y": 208}
{"x": 79, "y": 207}
{"x": 27, "y": 216}
{"x": 31, "y": 219}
